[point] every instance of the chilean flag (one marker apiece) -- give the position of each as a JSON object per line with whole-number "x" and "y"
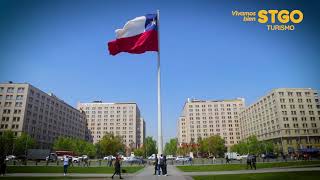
{"x": 137, "y": 36}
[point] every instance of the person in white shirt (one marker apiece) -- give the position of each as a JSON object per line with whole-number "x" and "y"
{"x": 160, "y": 165}
{"x": 65, "y": 164}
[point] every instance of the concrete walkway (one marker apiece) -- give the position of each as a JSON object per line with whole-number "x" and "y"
{"x": 173, "y": 173}
{"x": 147, "y": 174}
{"x": 144, "y": 174}
{"x": 266, "y": 170}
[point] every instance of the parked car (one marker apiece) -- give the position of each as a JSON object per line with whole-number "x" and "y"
{"x": 107, "y": 157}
{"x": 182, "y": 159}
{"x": 244, "y": 156}
{"x": 76, "y": 159}
{"x": 170, "y": 157}
{"x": 52, "y": 157}
{"x": 152, "y": 157}
{"x": 270, "y": 156}
{"x": 134, "y": 160}
{"x": 10, "y": 157}
{"x": 232, "y": 156}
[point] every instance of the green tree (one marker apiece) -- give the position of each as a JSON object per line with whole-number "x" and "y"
{"x": 213, "y": 145}
{"x": 171, "y": 147}
{"x": 110, "y": 145}
{"x": 150, "y": 146}
{"x": 63, "y": 144}
{"x": 23, "y": 143}
{"x": 183, "y": 150}
{"x": 6, "y": 141}
{"x": 90, "y": 150}
{"x": 78, "y": 146}
{"x": 253, "y": 146}
{"x": 241, "y": 148}
{"x": 139, "y": 152}
{"x": 266, "y": 147}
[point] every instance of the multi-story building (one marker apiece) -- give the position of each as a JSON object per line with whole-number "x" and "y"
{"x": 25, "y": 108}
{"x": 121, "y": 119}
{"x": 202, "y": 119}
{"x": 288, "y": 116}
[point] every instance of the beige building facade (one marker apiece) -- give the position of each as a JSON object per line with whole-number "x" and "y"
{"x": 202, "y": 119}
{"x": 25, "y": 108}
{"x": 290, "y": 117}
{"x": 121, "y": 119}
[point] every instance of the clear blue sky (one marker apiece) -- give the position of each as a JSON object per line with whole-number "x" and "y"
{"x": 60, "y": 47}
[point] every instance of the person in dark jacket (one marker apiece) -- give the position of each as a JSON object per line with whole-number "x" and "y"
{"x": 155, "y": 165}
{"x": 117, "y": 168}
{"x": 254, "y": 161}
{"x": 227, "y": 160}
{"x": 3, "y": 165}
{"x": 165, "y": 165}
{"x": 249, "y": 163}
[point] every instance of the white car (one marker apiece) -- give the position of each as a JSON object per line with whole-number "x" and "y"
{"x": 10, "y": 157}
{"x": 245, "y": 156}
{"x": 181, "y": 158}
{"x": 107, "y": 157}
{"x": 76, "y": 159}
{"x": 169, "y": 157}
{"x": 152, "y": 157}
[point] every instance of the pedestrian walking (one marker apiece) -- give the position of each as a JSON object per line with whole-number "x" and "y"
{"x": 227, "y": 160}
{"x": 85, "y": 160}
{"x": 213, "y": 160}
{"x": 165, "y": 165}
{"x": 65, "y": 164}
{"x": 110, "y": 160}
{"x": 3, "y": 165}
{"x": 160, "y": 165}
{"x": 190, "y": 160}
{"x": 284, "y": 157}
{"x": 155, "y": 165}
{"x": 249, "y": 162}
{"x": 117, "y": 168}
{"x": 253, "y": 162}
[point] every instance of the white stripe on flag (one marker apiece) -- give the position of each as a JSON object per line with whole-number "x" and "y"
{"x": 132, "y": 28}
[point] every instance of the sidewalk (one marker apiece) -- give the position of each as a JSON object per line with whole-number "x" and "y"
{"x": 173, "y": 173}
{"x": 147, "y": 173}
{"x": 266, "y": 170}
{"x": 144, "y": 174}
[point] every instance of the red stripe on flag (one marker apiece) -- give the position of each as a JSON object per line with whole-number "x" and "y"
{"x": 147, "y": 41}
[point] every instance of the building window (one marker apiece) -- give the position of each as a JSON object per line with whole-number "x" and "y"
{"x": 19, "y": 97}
{"x": 10, "y": 89}
{"x": 20, "y": 90}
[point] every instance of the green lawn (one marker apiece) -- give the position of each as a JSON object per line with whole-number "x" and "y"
{"x": 306, "y": 175}
{"x": 59, "y": 169}
{"x": 232, "y": 167}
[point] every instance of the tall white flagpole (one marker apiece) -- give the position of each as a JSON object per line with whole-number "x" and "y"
{"x": 160, "y": 144}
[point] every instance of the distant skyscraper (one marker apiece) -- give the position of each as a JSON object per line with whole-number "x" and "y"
{"x": 122, "y": 119}
{"x": 290, "y": 117}
{"x": 202, "y": 119}
{"x": 24, "y": 108}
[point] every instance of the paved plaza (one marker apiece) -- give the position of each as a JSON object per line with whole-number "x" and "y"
{"x": 173, "y": 173}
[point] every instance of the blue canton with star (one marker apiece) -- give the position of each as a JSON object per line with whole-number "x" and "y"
{"x": 151, "y": 22}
